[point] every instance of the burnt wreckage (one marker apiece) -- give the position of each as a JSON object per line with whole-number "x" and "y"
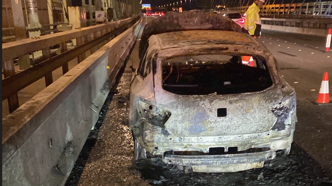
{"x": 196, "y": 103}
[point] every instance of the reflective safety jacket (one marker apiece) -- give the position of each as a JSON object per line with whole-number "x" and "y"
{"x": 253, "y": 19}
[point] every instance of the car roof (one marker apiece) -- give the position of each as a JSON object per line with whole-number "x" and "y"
{"x": 192, "y": 37}
{"x": 173, "y": 21}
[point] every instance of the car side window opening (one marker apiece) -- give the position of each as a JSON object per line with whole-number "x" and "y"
{"x": 142, "y": 66}
{"x": 147, "y": 68}
{"x": 221, "y": 74}
{"x": 140, "y": 70}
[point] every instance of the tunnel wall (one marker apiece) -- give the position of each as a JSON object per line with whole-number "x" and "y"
{"x": 59, "y": 118}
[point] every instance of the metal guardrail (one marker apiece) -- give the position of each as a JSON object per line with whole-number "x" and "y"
{"x": 316, "y": 23}
{"x": 304, "y": 9}
{"x": 317, "y": 26}
{"x": 42, "y": 139}
{"x": 312, "y": 18}
{"x": 87, "y": 39}
{"x": 46, "y": 29}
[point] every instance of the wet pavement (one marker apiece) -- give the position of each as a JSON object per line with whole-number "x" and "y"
{"x": 303, "y": 68}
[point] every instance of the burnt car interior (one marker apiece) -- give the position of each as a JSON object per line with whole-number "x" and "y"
{"x": 221, "y": 74}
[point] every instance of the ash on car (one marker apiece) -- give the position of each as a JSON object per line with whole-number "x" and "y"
{"x": 208, "y": 98}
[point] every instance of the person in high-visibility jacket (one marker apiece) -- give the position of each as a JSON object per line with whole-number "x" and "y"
{"x": 253, "y": 23}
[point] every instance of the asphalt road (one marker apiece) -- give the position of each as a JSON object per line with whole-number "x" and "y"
{"x": 107, "y": 156}
{"x": 303, "y": 64}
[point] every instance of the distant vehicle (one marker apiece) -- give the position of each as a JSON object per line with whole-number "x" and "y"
{"x": 157, "y": 14}
{"x": 149, "y": 13}
{"x": 233, "y": 15}
{"x": 146, "y": 12}
{"x": 194, "y": 104}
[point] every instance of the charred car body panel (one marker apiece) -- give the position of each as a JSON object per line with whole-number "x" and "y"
{"x": 224, "y": 126}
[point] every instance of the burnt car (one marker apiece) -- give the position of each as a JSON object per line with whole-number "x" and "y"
{"x": 194, "y": 104}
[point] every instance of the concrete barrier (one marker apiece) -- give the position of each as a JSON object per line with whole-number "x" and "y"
{"x": 42, "y": 139}
{"x": 289, "y": 25}
{"x": 296, "y": 30}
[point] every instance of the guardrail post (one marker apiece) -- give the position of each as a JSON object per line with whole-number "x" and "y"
{"x": 65, "y": 67}
{"x": 19, "y": 26}
{"x": 103, "y": 33}
{"x": 321, "y": 7}
{"x": 9, "y": 70}
{"x": 106, "y": 41}
{"x": 97, "y": 34}
{"x": 91, "y": 37}
{"x": 49, "y": 77}
{"x": 80, "y": 41}
{"x": 289, "y": 7}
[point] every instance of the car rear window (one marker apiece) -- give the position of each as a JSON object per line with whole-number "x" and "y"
{"x": 221, "y": 74}
{"x": 234, "y": 16}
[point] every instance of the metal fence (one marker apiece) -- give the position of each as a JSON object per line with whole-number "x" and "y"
{"x": 305, "y": 9}
{"x": 8, "y": 22}
{"x": 54, "y": 12}
{"x": 299, "y": 22}
{"x": 42, "y": 139}
{"x": 89, "y": 38}
{"x": 311, "y": 18}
